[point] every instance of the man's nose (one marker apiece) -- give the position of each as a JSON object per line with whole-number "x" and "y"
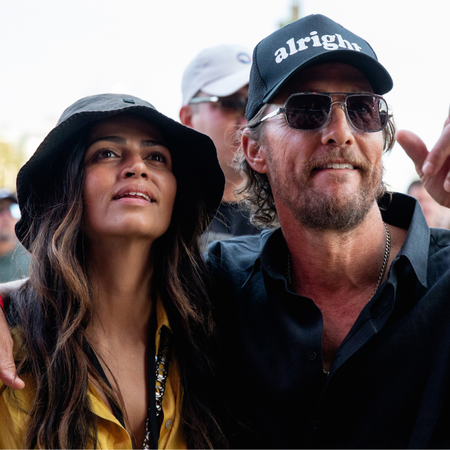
{"x": 338, "y": 130}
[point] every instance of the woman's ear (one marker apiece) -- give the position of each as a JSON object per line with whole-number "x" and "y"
{"x": 254, "y": 153}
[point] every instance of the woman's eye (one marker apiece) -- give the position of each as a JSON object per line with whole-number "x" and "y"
{"x": 104, "y": 154}
{"x": 157, "y": 156}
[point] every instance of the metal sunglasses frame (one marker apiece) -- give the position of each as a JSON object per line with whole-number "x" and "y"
{"x": 241, "y": 102}
{"x": 341, "y": 103}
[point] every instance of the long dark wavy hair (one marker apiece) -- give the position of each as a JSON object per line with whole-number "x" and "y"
{"x": 53, "y": 309}
{"x": 256, "y": 190}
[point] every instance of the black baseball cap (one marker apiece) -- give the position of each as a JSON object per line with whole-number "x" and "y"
{"x": 311, "y": 40}
{"x": 194, "y": 156}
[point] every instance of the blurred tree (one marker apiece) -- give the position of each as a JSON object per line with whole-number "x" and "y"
{"x": 11, "y": 160}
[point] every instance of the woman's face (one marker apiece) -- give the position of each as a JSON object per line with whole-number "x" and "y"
{"x": 129, "y": 188}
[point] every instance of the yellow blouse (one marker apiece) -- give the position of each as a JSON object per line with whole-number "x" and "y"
{"x": 111, "y": 434}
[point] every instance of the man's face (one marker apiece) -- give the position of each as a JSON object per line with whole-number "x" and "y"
{"x": 299, "y": 163}
{"x": 220, "y": 125}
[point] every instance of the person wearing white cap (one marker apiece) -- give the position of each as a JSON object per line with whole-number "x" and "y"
{"x": 215, "y": 93}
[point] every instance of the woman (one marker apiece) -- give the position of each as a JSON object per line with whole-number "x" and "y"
{"x": 113, "y": 202}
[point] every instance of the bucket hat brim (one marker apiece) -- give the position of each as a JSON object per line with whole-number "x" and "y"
{"x": 195, "y": 163}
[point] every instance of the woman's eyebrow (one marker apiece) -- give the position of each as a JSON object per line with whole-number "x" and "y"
{"x": 121, "y": 140}
{"x": 151, "y": 143}
{"x": 115, "y": 139}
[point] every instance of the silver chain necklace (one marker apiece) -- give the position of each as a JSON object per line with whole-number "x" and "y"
{"x": 162, "y": 370}
{"x": 387, "y": 251}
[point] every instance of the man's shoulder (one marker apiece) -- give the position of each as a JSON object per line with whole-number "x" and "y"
{"x": 238, "y": 253}
{"x": 440, "y": 236}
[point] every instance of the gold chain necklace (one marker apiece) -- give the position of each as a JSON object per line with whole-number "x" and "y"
{"x": 387, "y": 251}
{"x": 162, "y": 370}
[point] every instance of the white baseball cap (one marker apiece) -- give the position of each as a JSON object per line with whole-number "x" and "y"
{"x": 220, "y": 71}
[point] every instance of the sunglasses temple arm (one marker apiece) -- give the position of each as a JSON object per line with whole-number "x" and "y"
{"x": 272, "y": 114}
{"x": 204, "y": 100}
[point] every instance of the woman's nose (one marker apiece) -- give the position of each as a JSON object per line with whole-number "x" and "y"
{"x": 136, "y": 167}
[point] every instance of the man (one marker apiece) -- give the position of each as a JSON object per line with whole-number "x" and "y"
{"x": 14, "y": 259}
{"x": 335, "y": 327}
{"x": 215, "y": 93}
{"x": 435, "y": 215}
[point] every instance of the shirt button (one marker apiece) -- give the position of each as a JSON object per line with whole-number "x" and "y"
{"x": 312, "y": 356}
{"x": 316, "y": 425}
{"x": 168, "y": 423}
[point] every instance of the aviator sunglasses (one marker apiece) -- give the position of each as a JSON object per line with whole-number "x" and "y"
{"x": 311, "y": 111}
{"x": 233, "y": 104}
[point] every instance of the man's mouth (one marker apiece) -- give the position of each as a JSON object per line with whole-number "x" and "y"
{"x": 335, "y": 166}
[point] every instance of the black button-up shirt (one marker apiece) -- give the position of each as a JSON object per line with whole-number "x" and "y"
{"x": 390, "y": 378}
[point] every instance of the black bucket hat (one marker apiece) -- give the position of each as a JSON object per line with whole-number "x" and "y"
{"x": 194, "y": 156}
{"x": 314, "y": 39}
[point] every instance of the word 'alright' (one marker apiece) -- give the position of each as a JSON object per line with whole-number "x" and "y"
{"x": 326, "y": 41}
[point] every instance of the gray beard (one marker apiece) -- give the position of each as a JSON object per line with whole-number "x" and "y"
{"x": 321, "y": 212}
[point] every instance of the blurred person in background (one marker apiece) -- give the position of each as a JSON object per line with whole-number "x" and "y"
{"x": 14, "y": 259}
{"x": 436, "y": 215}
{"x": 215, "y": 94}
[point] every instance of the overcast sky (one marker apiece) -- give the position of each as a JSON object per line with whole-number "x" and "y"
{"x": 54, "y": 52}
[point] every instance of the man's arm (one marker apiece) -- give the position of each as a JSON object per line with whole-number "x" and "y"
{"x": 7, "y": 367}
{"x": 433, "y": 167}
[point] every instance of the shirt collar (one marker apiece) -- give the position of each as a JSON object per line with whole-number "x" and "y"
{"x": 161, "y": 316}
{"x": 161, "y": 321}
{"x": 274, "y": 254}
{"x": 405, "y": 212}
{"x": 397, "y": 209}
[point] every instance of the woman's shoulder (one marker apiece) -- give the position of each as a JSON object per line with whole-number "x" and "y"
{"x": 14, "y": 416}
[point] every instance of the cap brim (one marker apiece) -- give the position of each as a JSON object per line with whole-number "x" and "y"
{"x": 376, "y": 74}
{"x": 227, "y": 85}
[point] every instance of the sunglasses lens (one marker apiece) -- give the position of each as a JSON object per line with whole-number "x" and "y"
{"x": 367, "y": 112}
{"x": 233, "y": 105}
{"x": 307, "y": 111}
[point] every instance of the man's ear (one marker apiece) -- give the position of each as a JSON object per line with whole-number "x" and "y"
{"x": 254, "y": 153}
{"x": 186, "y": 114}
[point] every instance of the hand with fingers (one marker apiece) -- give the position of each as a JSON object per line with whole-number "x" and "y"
{"x": 432, "y": 166}
{"x": 7, "y": 367}
{"x": 8, "y": 373}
